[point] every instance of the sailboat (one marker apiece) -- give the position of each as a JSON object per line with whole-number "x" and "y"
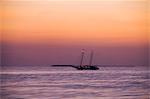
{"x": 81, "y": 66}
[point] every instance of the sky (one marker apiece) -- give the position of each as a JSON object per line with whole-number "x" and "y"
{"x": 43, "y": 32}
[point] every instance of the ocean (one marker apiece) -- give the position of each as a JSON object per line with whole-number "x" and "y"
{"x": 46, "y": 82}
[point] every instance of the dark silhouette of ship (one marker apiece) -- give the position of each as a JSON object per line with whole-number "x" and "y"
{"x": 81, "y": 66}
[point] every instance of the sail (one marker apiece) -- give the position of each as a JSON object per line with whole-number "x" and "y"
{"x": 91, "y": 58}
{"x": 82, "y": 57}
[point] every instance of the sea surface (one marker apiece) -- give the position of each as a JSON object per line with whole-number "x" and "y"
{"x": 46, "y": 82}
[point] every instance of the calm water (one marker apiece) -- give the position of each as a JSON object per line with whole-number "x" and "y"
{"x": 67, "y": 83}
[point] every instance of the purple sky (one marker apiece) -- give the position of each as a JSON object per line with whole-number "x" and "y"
{"x": 46, "y": 54}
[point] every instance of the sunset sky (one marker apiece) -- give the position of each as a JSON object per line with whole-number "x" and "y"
{"x": 41, "y": 32}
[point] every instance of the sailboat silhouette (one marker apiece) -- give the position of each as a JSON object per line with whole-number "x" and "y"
{"x": 81, "y": 66}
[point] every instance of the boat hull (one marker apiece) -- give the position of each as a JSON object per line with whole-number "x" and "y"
{"x": 86, "y": 67}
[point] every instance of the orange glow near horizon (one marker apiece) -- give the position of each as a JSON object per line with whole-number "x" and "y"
{"x": 97, "y": 22}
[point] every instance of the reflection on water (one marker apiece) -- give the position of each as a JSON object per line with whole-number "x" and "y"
{"x": 67, "y": 83}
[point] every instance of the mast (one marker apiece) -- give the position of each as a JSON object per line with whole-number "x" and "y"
{"x": 91, "y": 58}
{"x": 82, "y": 56}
